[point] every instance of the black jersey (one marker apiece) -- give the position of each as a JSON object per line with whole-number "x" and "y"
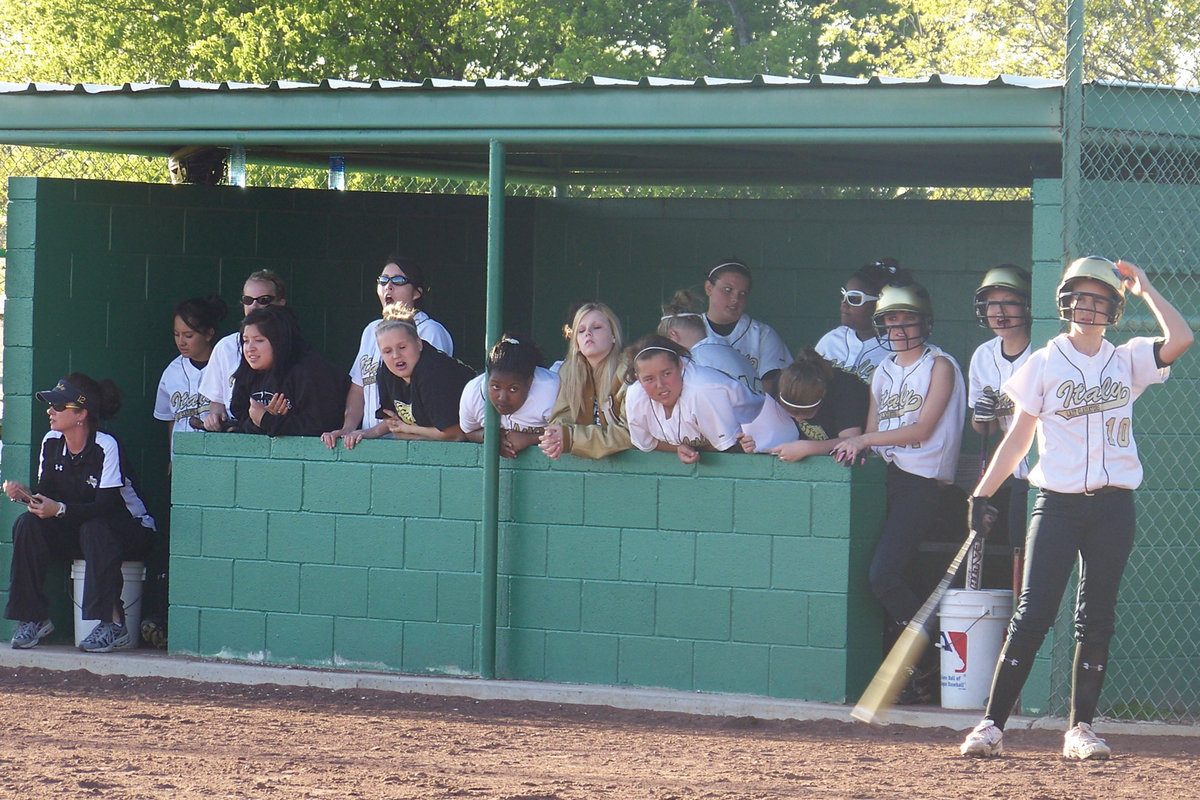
{"x": 844, "y": 406}
{"x": 93, "y": 483}
{"x": 430, "y": 398}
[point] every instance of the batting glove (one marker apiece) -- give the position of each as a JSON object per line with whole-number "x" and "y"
{"x": 985, "y": 408}
{"x": 981, "y": 515}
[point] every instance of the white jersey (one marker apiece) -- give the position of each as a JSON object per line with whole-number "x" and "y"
{"x": 710, "y": 411}
{"x": 531, "y": 417}
{"x": 772, "y": 427}
{"x": 1084, "y": 410}
{"x": 989, "y": 370}
{"x": 710, "y": 352}
{"x": 366, "y": 363}
{"x": 216, "y": 382}
{"x": 179, "y": 397}
{"x": 758, "y": 342}
{"x": 851, "y": 354}
{"x": 900, "y": 394}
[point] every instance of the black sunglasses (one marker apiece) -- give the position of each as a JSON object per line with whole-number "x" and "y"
{"x": 261, "y": 300}
{"x": 394, "y": 280}
{"x": 61, "y": 407}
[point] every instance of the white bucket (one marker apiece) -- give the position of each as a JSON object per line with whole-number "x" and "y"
{"x": 973, "y": 628}
{"x": 134, "y": 574}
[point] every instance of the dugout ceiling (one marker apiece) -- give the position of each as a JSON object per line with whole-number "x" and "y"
{"x": 939, "y": 131}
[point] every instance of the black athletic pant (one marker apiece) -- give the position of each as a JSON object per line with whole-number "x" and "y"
{"x": 912, "y": 508}
{"x": 104, "y": 542}
{"x": 1097, "y": 531}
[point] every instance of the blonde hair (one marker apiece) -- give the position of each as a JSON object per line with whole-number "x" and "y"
{"x": 683, "y": 312}
{"x": 398, "y": 315}
{"x": 804, "y": 383}
{"x": 577, "y": 380}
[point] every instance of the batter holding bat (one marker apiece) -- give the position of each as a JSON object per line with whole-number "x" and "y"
{"x": 1076, "y": 394}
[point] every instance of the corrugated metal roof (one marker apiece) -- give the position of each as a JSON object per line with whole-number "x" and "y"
{"x": 649, "y": 81}
{"x": 768, "y": 129}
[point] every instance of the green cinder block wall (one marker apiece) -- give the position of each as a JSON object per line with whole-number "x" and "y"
{"x": 742, "y": 574}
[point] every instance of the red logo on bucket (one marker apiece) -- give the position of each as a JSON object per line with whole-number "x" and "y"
{"x": 956, "y": 642}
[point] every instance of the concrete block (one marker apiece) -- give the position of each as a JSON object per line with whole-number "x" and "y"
{"x": 774, "y": 507}
{"x": 337, "y": 488}
{"x": 191, "y": 442}
{"x": 300, "y": 448}
{"x": 229, "y": 532}
{"x": 369, "y": 541}
{"x": 200, "y": 481}
{"x": 398, "y": 491}
{"x": 184, "y": 624}
{"x": 612, "y": 607}
{"x": 626, "y": 501}
{"x": 811, "y": 565}
{"x": 770, "y": 617}
{"x": 808, "y": 673}
{"x": 462, "y": 493}
{"x": 266, "y": 586}
{"x": 206, "y": 582}
{"x": 831, "y": 510}
{"x": 522, "y": 549}
{"x": 827, "y": 621}
{"x": 581, "y": 657}
{"x": 299, "y": 639}
{"x": 692, "y": 612}
{"x": 655, "y": 662}
{"x": 520, "y": 654}
{"x": 695, "y": 504}
{"x": 240, "y": 635}
{"x": 237, "y": 445}
{"x": 733, "y": 559}
{"x": 547, "y": 497}
{"x": 439, "y": 545}
{"x": 439, "y": 649}
{"x": 266, "y": 484}
{"x": 186, "y": 531}
{"x": 544, "y": 603}
{"x": 458, "y": 599}
{"x": 301, "y": 537}
{"x": 326, "y": 589}
{"x": 443, "y": 454}
{"x": 715, "y": 669}
{"x": 658, "y": 556}
{"x": 375, "y": 644}
{"x": 400, "y": 594}
{"x": 584, "y": 552}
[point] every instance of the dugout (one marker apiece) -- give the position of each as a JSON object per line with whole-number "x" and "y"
{"x": 738, "y": 575}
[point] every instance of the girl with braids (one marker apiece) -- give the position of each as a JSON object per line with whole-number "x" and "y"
{"x": 84, "y": 506}
{"x": 419, "y": 386}
{"x": 283, "y": 387}
{"x": 683, "y": 324}
{"x": 179, "y": 402}
{"x": 727, "y": 286}
{"x": 676, "y": 405}
{"x": 588, "y": 419}
{"x": 521, "y": 390}
{"x": 818, "y": 405}
{"x": 853, "y": 346}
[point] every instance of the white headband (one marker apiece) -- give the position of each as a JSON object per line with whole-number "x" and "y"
{"x": 508, "y": 339}
{"x": 728, "y": 264}
{"x": 681, "y": 314}
{"x": 655, "y": 347}
{"x": 801, "y": 408}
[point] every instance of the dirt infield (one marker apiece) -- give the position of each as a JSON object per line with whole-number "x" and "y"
{"x": 76, "y": 735}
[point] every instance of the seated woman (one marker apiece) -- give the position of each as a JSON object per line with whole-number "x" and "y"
{"x": 84, "y": 506}
{"x": 818, "y": 406}
{"x": 683, "y": 324}
{"x": 179, "y": 402}
{"x": 522, "y": 391}
{"x": 283, "y": 387}
{"x": 676, "y": 405}
{"x": 420, "y": 388}
{"x": 588, "y": 419}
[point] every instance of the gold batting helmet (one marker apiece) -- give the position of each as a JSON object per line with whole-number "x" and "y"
{"x": 1101, "y": 270}
{"x": 1005, "y": 276}
{"x": 909, "y": 297}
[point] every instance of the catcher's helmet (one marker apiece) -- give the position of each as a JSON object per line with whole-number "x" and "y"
{"x": 1005, "y": 276}
{"x": 197, "y": 164}
{"x": 908, "y": 297}
{"x": 1098, "y": 269}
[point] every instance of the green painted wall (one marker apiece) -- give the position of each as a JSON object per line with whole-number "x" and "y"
{"x": 742, "y": 574}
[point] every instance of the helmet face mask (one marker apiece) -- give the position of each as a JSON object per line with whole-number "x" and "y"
{"x": 1105, "y": 308}
{"x": 897, "y": 334}
{"x": 1009, "y": 277}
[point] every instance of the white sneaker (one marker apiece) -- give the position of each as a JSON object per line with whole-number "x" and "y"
{"x": 1082, "y": 742}
{"x": 984, "y": 742}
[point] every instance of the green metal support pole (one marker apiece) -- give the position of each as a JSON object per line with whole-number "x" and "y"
{"x": 491, "y": 427}
{"x": 1072, "y": 169}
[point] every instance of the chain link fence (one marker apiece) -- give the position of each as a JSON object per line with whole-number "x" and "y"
{"x": 1137, "y": 198}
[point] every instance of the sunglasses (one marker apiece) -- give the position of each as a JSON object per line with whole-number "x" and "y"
{"x": 854, "y": 297}
{"x": 261, "y": 300}
{"x": 394, "y": 280}
{"x": 61, "y": 407}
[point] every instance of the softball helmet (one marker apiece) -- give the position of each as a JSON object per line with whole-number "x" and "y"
{"x": 1098, "y": 269}
{"x": 908, "y": 297}
{"x": 1005, "y": 276}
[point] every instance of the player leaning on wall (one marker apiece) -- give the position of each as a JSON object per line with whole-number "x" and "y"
{"x": 1077, "y": 395}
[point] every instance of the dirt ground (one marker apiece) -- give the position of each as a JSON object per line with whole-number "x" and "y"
{"x": 79, "y": 735}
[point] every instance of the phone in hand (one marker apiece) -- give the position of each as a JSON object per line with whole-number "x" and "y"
{"x": 23, "y": 497}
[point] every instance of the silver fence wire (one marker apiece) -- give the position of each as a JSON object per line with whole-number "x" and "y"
{"x": 1138, "y": 198}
